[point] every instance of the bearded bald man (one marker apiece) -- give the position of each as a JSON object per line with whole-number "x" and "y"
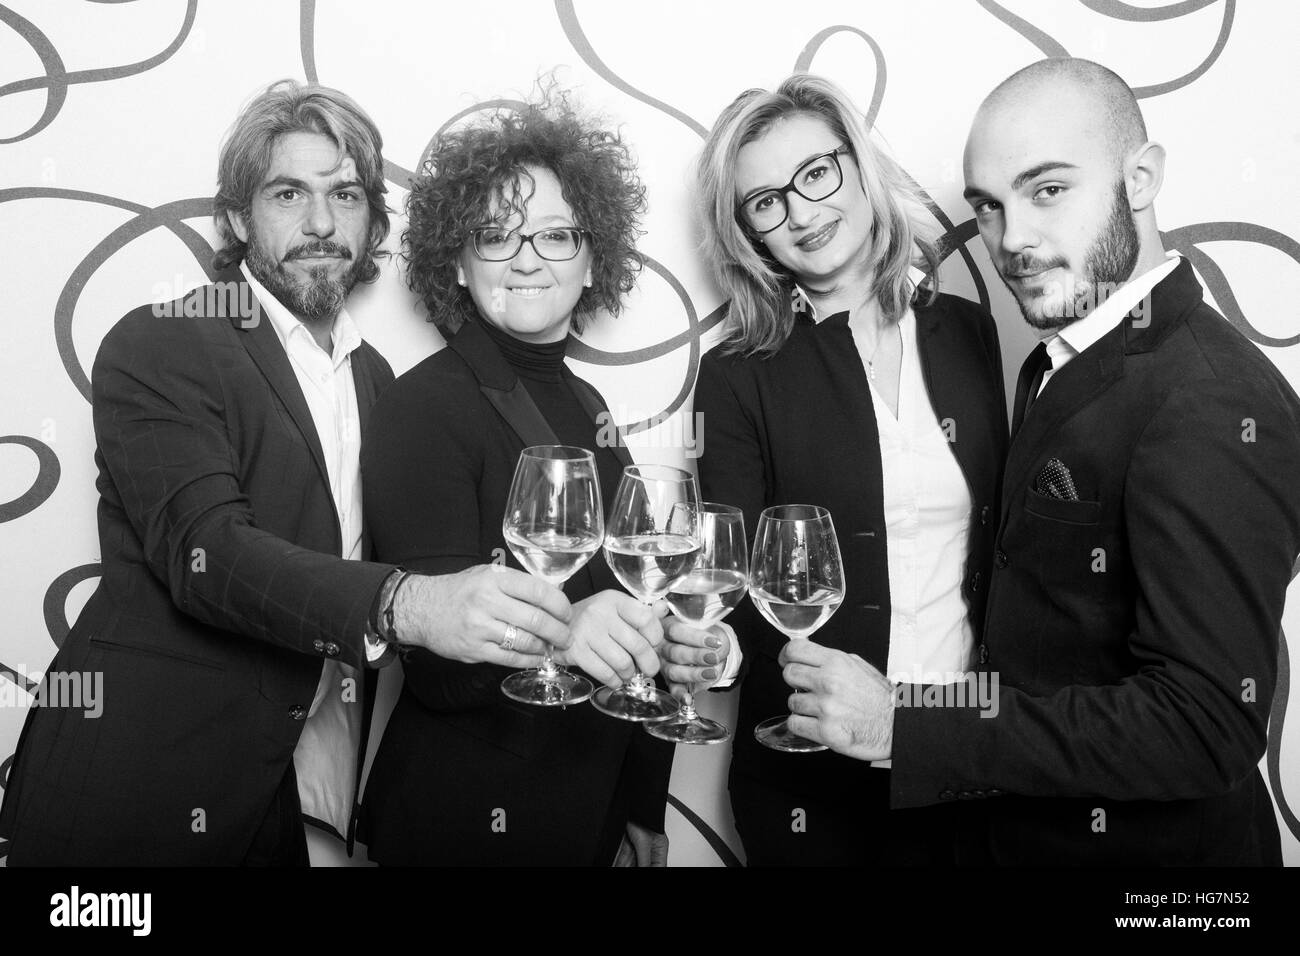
{"x": 1150, "y": 519}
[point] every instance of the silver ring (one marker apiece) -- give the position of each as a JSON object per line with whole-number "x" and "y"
{"x": 508, "y": 642}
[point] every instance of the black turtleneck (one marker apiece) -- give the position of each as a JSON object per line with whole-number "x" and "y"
{"x": 534, "y": 362}
{"x": 540, "y": 368}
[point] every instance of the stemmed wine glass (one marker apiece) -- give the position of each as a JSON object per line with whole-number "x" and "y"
{"x": 554, "y": 524}
{"x": 651, "y": 541}
{"x": 796, "y": 579}
{"x": 707, "y": 594}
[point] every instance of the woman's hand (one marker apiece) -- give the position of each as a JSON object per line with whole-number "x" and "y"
{"x": 612, "y": 636}
{"x": 694, "y": 658}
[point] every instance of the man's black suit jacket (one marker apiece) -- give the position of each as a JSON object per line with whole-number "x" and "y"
{"x": 1134, "y": 632}
{"x": 221, "y": 594}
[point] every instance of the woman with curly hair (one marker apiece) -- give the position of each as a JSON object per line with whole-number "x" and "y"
{"x": 520, "y": 228}
{"x": 840, "y": 349}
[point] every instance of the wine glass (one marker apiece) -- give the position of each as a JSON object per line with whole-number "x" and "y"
{"x": 796, "y": 579}
{"x": 708, "y": 593}
{"x": 651, "y": 541}
{"x": 553, "y": 524}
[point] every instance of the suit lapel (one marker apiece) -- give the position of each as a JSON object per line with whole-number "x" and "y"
{"x": 263, "y": 346}
{"x": 953, "y": 387}
{"x": 1085, "y": 377}
{"x": 1095, "y": 369}
{"x": 363, "y": 380}
{"x": 501, "y": 386}
{"x": 595, "y": 407}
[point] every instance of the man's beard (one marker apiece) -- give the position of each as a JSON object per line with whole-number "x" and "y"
{"x": 319, "y": 298}
{"x": 1109, "y": 262}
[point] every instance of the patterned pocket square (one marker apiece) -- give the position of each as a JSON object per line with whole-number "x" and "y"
{"x": 1055, "y": 481}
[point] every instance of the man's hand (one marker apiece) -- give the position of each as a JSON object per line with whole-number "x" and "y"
{"x": 848, "y": 704}
{"x": 642, "y": 847}
{"x": 613, "y": 636}
{"x": 465, "y": 616}
{"x": 693, "y": 657}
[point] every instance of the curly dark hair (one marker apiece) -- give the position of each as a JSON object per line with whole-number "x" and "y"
{"x": 467, "y": 169}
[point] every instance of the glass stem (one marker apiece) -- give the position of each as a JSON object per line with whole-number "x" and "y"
{"x": 688, "y": 705}
{"x": 548, "y": 670}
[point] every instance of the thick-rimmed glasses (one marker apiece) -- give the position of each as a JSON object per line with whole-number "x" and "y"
{"x": 495, "y": 244}
{"x": 818, "y": 179}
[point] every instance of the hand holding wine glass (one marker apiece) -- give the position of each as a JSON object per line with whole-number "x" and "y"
{"x": 553, "y": 524}
{"x": 714, "y": 586}
{"x": 797, "y": 582}
{"x": 650, "y": 544}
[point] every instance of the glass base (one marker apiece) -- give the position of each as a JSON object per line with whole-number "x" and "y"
{"x": 558, "y": 688}
{"x": 631, "y": 703}
{"x": 689, "y": 730}
{"x": 776, "y": 733}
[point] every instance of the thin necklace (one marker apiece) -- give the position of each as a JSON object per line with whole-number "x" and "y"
{"x": 871, "y": 362}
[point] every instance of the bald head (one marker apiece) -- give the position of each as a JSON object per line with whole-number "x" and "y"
{"x": 1098, "y": 97}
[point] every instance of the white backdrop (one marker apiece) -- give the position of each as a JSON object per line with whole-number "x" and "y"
{"x": 111, "y": 115}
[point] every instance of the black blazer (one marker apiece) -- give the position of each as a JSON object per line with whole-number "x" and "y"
{"x": 464, "y": 775}
{"x": 1134, "y": 631}
{"x": 799, "y": 427}
{"x": 210, "y": 658}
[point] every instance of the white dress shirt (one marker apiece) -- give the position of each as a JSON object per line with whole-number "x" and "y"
{"x": 325, "y": 758}
{"x": 927, "y": 506}
{"x": 1078, "y": 335}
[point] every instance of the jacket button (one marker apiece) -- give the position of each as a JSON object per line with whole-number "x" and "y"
{"x": 975, "y": 581}
{"x": 1000, "y": 559}
{"x": 332, "y": 649}
{"x": 319, "y": 645}
{"x": 994, "y": 793}
{"x": 984, "y": 515}
{"x": 984, "y": 653}
{"x": 946, "y": 795}
{"x": 297, "y": 712}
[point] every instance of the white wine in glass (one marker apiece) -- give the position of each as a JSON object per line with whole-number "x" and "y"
{"x": 796, "y": 579}
{"x": 708, "y": 593}
{"x": 553, "y": 525}
{"x": 651, "y": 541}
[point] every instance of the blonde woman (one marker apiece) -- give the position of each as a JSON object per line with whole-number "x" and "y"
{"x": 845, "y": 381}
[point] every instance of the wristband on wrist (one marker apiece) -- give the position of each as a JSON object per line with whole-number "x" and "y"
{"x": 387, "y": 630}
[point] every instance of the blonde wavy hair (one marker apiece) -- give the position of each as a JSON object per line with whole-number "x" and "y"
{"x": 758, "y": 287}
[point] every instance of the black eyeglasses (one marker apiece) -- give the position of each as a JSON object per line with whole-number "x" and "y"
{"x": 497, "y": 244}
{"x": 818, "y": 179}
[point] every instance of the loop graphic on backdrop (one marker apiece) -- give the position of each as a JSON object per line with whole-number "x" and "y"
{"x": 47, "y": 478}
{"x": 57, "y": 79}
{"x": 56, "y": 599}
{"x": 171, "y": 215}
{"x": 1124, "y": 11}
{"x": 1187, "y": 238}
